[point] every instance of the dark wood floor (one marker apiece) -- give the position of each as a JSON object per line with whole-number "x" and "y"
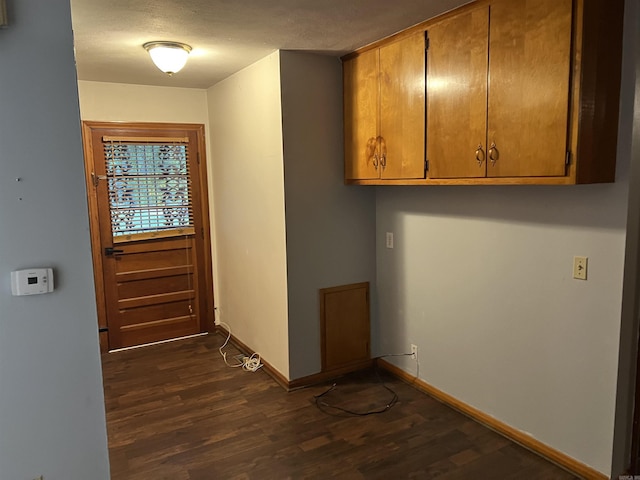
{"x": 175, "y": 411}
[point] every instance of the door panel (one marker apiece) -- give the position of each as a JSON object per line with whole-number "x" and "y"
{"x": 155, "y": 284}
{"x": 402, "y": 108}
{"x": 529, "y": 65}
{"x": 155, "y": 312}
{"x": 361, "y": 116}
{"x": 457, "y": 96}
{"x": 155, "y": 295}
{"x": 171, "y": 328}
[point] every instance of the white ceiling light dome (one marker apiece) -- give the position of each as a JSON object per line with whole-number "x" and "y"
{"x": 169, "y": 57}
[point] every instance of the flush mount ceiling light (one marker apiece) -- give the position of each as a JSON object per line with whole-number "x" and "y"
{"x": 169, "y": 57}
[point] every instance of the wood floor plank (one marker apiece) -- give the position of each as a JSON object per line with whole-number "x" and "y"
{"x": 175, "y": 411}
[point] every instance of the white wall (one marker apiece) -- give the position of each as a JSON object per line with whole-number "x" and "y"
{"x": 330, "y": 226}
{"x": 480, "y": 279}
{"x": 119, "y": 102}
{"x": 52, "y": 420}
{"x": 248, "y": 198}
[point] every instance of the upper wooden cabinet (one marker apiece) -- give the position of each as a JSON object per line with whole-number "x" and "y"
{"x": 498, "y": 91}
{"x": 457, "y": 96}
{"x": 518, "y": 91}
{"x": 384, "y": 108}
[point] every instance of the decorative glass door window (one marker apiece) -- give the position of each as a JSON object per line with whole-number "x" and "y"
{"x": 149, "y": 189}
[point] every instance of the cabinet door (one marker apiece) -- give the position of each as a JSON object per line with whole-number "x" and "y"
{"x": 529, "y": 69}
{"x": 402, "y": 108}
{"x": 457, "y": 96}
{"x": 361, "y": 116}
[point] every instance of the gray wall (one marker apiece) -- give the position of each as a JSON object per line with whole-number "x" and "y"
{"x": 631, "y": 295}
{"x": 51, "y": 402}
{"x": 330, "y": 226}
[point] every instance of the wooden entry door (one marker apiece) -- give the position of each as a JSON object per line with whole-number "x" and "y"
{"x": 150, "y": 231}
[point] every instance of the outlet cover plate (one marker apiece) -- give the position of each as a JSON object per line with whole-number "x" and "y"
{"x": 389, "y": 239}
{"x": 580, "y": 268}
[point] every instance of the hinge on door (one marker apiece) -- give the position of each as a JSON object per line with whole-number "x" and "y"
{"x": 95, "y": 179}
{"x": 198, "y": 158}
{"x": 567, "y": 159}
{"x": 202, "y": 232}
{"x": 426, "y": 38}
{"x": 426, "y": 166}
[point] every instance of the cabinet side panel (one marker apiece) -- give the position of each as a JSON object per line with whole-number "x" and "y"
{"x": 599, "y": 96}
{"x": 457, "y": 96}
{"x": 529, "y": 70}
{"x": 360, "y": 116}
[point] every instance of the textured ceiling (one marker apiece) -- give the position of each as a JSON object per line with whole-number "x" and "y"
{"x": 228, "y": 35}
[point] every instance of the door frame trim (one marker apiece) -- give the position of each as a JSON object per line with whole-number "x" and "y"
{"x": 207, "y": 320}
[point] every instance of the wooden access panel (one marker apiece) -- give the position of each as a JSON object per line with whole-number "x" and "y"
{"x": 457, "y": 62}
{"x": 529, "y": 73}
{"x": 344, "y": 319}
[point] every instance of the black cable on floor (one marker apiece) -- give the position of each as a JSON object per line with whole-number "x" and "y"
{"x": 340, "y": 411}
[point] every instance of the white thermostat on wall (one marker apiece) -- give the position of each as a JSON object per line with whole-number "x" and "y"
{"x": 32, "y": 281}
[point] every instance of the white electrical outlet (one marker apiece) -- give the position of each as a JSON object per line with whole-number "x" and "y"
{"x": 414, "y": 351}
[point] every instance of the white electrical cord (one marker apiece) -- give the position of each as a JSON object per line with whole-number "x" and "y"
{"x": 252, "y": 363}
{"x": 248, "y": 364}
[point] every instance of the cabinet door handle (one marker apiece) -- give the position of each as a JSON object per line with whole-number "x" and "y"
{"x": 494, "y": 154}
{"x": 480, "y": 155}
{"x": 375, "y": 160}
{"x": 383, "y": 149}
